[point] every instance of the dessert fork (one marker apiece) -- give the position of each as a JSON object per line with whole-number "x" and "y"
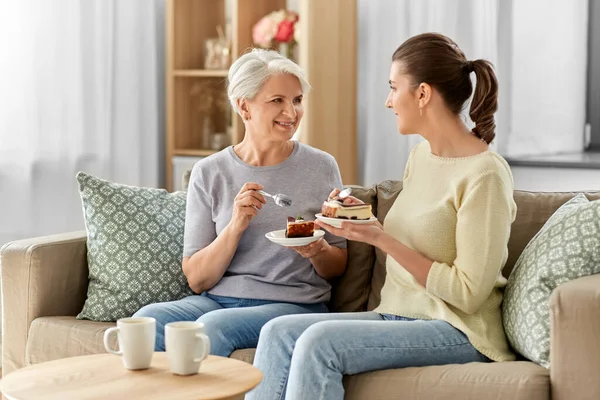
{"x": 280, "y": 199}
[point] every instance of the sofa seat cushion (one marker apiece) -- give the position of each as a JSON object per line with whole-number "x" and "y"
{"x": 515, "y": 380}
{"x": 51, "y": 338}
{"x": 246, "y": 355}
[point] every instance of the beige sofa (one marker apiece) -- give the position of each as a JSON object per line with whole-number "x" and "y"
{"x": 44, "y": 284}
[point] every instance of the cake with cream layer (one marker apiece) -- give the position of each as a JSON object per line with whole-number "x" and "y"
{"x": 335, "y": 209}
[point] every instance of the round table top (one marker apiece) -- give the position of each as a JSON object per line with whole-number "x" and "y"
{"x": 102, "y": 376}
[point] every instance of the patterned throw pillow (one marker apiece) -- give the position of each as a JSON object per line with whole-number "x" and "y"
{"x": 567, "y": 247}
{"x": 134, "y": 247}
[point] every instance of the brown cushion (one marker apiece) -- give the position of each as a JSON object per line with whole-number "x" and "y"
{"x": 51, "y": 338}
{"x": 517, "y": 380}
{"x": 185, "y": 179}
{"x": 387, "y": 191}
{"x": 533, "y": 210}
{"x": 350, "y": 292}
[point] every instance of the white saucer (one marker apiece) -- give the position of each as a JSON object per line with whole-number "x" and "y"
{"x": 279, "y": 238}
{"x": 337, "y": 222}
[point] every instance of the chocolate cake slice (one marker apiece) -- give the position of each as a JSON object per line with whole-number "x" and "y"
{"x": 298, "y": 227}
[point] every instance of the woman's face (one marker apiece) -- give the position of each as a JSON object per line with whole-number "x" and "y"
{"x": 276, "y": 110}
{"x": 404, "y": 101}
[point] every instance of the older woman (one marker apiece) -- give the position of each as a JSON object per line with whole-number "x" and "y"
{"x": 245, "y": 280}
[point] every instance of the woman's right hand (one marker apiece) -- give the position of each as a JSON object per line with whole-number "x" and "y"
{"x": 245, "y": 206}
{"x": 347, "y": 200}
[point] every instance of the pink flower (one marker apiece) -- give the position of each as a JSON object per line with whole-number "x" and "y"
{"x": 264, "y": 31}
{"x": 285, "y": 33}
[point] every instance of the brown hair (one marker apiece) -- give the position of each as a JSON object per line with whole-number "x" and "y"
{"x": 435, "y": 59}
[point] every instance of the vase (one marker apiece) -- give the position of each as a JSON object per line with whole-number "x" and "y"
{"x": 287, "y": 50}
{"x": 208, "y": 129}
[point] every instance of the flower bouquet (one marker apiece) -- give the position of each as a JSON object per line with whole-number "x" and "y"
{"x": 278, "y": 31}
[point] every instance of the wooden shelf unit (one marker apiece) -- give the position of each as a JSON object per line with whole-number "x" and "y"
{"x": 189, "y": 23}
{"x": 194, "y": 152}
{"x": 204, "y": 73}
{"x": 328, "y": 54}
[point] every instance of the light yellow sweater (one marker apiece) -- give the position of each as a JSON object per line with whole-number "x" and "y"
{"x": 457, "y": 212}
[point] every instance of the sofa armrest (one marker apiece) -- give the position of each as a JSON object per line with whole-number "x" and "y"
{"x": 44, "y": 276}
{"x": 575, "y": 339}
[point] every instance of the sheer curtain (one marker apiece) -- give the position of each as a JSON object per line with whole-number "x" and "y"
{"x": 537, "y": 47}
{"x": 82, "y": 85}
{"x": 83, "y": 90}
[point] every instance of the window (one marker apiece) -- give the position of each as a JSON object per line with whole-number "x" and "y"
{"x": 593, "y": 78}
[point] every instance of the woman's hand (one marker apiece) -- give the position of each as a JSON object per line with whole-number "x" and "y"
{"x": 367, "y": 233}
{"x": 312, "y": 249}
{"x": 245, "y": 206}
{"x": 346, "y": 200}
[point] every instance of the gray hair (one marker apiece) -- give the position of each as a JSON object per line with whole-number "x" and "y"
{"x": 249, "y": 72}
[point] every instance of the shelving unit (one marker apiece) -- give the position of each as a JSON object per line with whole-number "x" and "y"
{"x": 328, "y": 54}
{"x": 194, "y": 93}
{"x": 204, "y": 73}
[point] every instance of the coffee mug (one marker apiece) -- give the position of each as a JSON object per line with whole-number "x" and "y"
{"x": 186, "y": 346}
{"x": 136, "y": 336}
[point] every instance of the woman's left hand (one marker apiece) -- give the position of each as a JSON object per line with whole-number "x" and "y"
{"x": 312, "y": 249}
{"x": 367, "y": 233}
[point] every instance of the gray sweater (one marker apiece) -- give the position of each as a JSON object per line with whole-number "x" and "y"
{"x": 261, "y": 269}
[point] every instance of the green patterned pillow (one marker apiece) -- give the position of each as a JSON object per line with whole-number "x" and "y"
{"x": 567, "y": 247}
{"x": 134, "y": 247}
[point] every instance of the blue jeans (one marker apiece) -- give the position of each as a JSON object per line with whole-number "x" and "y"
{"x": 229, "y": 322}
{"x": 310, "y": 354}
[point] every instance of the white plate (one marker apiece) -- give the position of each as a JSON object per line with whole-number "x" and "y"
{"x": 337, "y": 222}
{"x": 279, "y": 238}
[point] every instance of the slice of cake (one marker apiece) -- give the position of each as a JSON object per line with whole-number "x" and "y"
{"x": 298, "y": 227}
{"x": 335, "y": 209}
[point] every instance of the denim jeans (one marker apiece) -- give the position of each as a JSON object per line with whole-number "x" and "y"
{"x": 310, "y": 354}
{"x": 230, "y": 323}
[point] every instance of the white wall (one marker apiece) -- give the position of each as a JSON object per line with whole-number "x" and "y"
{"x": 556, "y": 179}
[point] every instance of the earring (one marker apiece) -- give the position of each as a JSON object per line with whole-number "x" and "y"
{"x": 421, "y": 111}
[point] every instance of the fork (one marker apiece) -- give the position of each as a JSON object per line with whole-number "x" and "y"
{"x": 280, "y": 199}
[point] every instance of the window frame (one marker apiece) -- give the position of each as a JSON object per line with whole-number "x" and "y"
{"x": 593, "y": 77}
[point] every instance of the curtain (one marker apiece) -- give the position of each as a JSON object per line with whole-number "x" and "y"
{"x": 537, "y": 47}
{"x": 83, "y": 86}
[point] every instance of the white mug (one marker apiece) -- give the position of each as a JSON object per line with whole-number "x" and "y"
{"x": 137, "y": 336}
{"x": 186, "y": 346}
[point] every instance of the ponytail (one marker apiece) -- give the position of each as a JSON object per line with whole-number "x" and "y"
{"x": 485, "y": 100}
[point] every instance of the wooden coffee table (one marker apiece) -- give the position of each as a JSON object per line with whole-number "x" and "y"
{"x": 102, "y": 376}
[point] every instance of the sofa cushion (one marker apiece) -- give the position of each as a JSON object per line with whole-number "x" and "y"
{"x": 533, "y": 210}
{"x": 567, "y": 247}
{"x": 52, "y": 338}
{"x": 350, "y": 291}
{"x": 517, "y": 380}
{"x": 387, "y": 192}
{"x": 134, "y": 247}
{"x": 246, "y": 355}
